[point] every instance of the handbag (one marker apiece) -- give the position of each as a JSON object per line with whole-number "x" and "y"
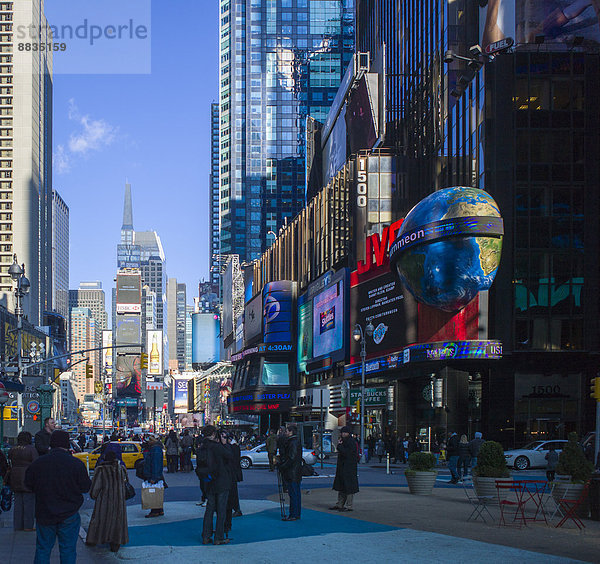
{"x": 129, "y": 491}
{"x": 6, "y": 498}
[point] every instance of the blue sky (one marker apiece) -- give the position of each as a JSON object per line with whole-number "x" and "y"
{"x": 152, "y": 129}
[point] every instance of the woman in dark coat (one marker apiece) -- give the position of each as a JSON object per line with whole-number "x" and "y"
{"x": 153, "y": 469}
{"x": 346, "y": 474}
{"x": 109, "y": 520}
{"x": 21, "y": 456}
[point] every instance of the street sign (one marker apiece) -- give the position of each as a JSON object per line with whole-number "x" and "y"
{"x": 11, "y": 369}
{"x": 154, "y": 385}
{"x": 498, "y": 46}
{"x": 33, "y": 407}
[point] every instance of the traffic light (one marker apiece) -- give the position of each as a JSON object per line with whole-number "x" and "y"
{"x": 595, "y": 388}
{"x": 89, "y": 371}
{"x": 144, "y": 361}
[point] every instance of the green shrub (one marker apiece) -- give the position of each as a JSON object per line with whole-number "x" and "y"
{"x": 421, "y": 461}
{"x": 572, "y": 462}
{"x": 491, "y": 462}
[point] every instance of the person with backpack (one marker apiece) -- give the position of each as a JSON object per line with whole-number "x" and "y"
{"x": 218, "y": 476}
{"x": 346, "y": 472}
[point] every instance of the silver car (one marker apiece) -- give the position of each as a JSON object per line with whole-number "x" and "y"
{"x": 533, "y": 455}
{"x": 258, "y": 456}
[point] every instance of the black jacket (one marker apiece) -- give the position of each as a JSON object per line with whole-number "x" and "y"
{"x": 463, "y": 451}
{"x": 235, "y": 465}
{"x": 346, "y": 475}
{"x": 58, "y": 480}
{"x": 291, "y": 460}
{"x": 452, "y": 446}
{"x": 220, "y": 467}
{"x": 42, "y": 442}
{"x": 474, "y": 447}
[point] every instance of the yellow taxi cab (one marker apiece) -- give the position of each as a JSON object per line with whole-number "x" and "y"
{"x": 131, "y": 452}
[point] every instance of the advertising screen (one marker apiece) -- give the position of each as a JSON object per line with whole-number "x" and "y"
{"x": 154, "y": 348}
{"x": 205, "y": 337}
{"x": 180, "y": 393}
{"x": 278, "y": 299}
{"x": 253, "y": 320}
{"x": 558, "y": 21}
{"x": 129, "y": 293}
{"x": 361, "y": 116}
{"x": 107, "y": 353}
{"x": 305, "y": 334}
{"x": 128, "y": 332}
{"x": 127, "y": 376}
{"x": 328, "y": 320}
{"x": 334, "y": 152}
{"x": 392, "y": 311}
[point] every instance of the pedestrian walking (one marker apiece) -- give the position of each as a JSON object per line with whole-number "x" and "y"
{"x": 464, "y": 457}
{"x": 552, "y": 458}
{"x": 271, "y": 444}
{"x": 172, "y": 447}
{"x": 219, "y": 478}
{"x": 42, "y": 438}
{"x": 186, "y": 443}
{"x": 153, "y": 470}
{"x": 346, "y": 472}
{"x": 201, "y": 463}
{"x": 82, "y": 441}
{"x": 400, "y": 450}
{"x": 238, "y": 476}
{"x": 474, "y": 446}
{"x": 452, "y": 457}
{"x": 20, "y": 457}
{"x": 58, "y": 481}
{"x": 380, "y": 448}
{"x": 290, "y": 467}
{"x": 281, "y": 439}
{"x": 109, "y": 519}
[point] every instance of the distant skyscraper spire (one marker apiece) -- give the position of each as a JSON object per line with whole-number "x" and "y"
{"x": 127, "y": 210}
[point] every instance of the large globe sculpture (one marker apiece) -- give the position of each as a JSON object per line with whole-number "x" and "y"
{"x": 448, "y": 248}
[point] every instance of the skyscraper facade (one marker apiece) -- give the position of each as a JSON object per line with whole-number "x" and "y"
{"x": 153, "y": 269}
{"x": 280, "y": 62}
{"x": 90, "y": 295}
{"x": 176, "y": 328}
{"x": 83, "y": 336}
{"x": 213, "y": 226}
{"x": 60, "y": 255}
{"x": 26, "y": 156}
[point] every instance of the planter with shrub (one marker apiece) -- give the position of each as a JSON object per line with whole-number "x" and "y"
{"x": 491, "y": 467}
{"x": 421, "y": 473}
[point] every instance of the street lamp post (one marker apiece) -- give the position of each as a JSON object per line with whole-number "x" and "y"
{"x": 17, "y": 273}
{"x": 359, "y": 336}
{"x": 4, "y": 397}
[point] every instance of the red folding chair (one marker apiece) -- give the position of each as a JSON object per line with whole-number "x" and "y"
{"x": 570, "y": 506}
{"x": 506, "y": 504}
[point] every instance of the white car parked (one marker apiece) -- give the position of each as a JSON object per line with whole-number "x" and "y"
{"x": 533, "y": 455}
{"x": 258, "y": 456}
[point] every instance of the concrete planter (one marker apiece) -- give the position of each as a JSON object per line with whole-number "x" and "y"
{"x": 573, "y": 491}
{"x": 421, "y": 483}
{"x": 487, "y": 487}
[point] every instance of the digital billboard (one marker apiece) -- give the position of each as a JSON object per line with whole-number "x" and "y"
{"x": 362, "y": 113}
{"x": 253, "y": 320}
{"x": 205, "y": 338}
{"x": 278, "y": 298}
{"x": 305, "y": 334}
{"x": 180, "y": 392}
{"x": 107, "y": 353}
{"x": 557, "y": 21}
{"x": 334, "y": 152}
{"x": 129, "y": 293}
{"x": 391, "y": 310}
{"x": 128, "y": 332}
{"x": 328, "y": 319}
{"x": 154, "y": 348}
{"x": 128, "y": 376}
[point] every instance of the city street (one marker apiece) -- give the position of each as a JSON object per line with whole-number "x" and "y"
{"x": 387, "y": 523}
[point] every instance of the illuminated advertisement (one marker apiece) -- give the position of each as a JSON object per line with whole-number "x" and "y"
{"x": 328, "y": 319}
{"x": 278, "y": 298}
{"x": 253, "y": 320}
{"x": 180, "y": 393}
{"x": 154, "y": 348}
{"x": 362, "y": 113}
{"x": 557, "y": 21}
{"x": 305, "y": 335}
{"x": 260, "y": 402}
{"x": 128, "y": 332}
{"x": 129, "y": 293}
{"x": 334, "y": 152}
{"x": 383, "y": 302}
{"x": 205, "y": 338}
{"x": 128, "y": 376}
{"x": 107, "y": 353}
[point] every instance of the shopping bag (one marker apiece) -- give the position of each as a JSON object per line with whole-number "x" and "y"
{"x": 152, "y": 496}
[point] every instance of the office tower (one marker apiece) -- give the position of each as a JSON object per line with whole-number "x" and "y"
{"x": 26, "y": 156}
{"x": 83, "y": 336}
{"x": 128, "y": 254}
{"x": 189, "y": 310}
{"x": 213, "y": 197}
{"x": 60, "y": 255}
{"x": 176, "y": 328}
{"x": 280, "y": 62}
{"x": 91, "y": 295}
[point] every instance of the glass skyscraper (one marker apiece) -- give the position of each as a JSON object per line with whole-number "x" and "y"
{"x": 280, "y": 62}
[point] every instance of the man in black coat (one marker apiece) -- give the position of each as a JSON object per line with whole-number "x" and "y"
{"x": 42, "y": 438}
{"x": 218, "y": 483}
{"x": 290, "y": 468}
{"x": 346, "y": 472}
{"x": 452, "y": 457}
{"x": 58, "y": 481}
